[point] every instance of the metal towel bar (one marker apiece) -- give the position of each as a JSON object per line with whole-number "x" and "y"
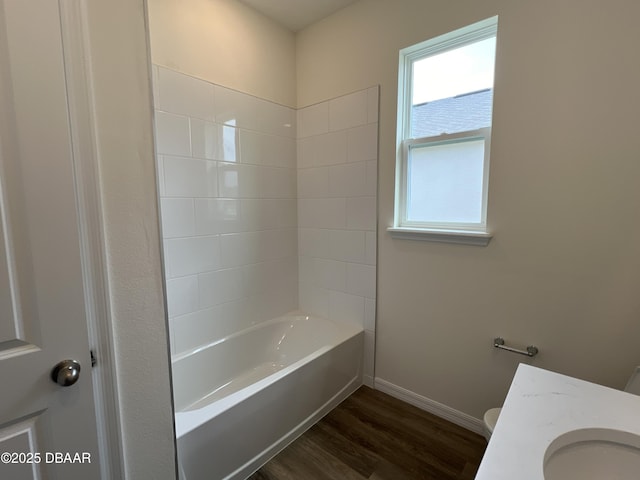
{"x": 531, "y": 351}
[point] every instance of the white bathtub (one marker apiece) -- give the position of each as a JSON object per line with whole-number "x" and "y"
{"x": 241, "y": 400}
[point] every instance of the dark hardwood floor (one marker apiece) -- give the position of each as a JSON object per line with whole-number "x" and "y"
{"x": 377, "y": 437}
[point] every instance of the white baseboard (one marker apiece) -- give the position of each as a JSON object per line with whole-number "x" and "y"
{"x": 368, "y": 381}
{"x": 454, "y": 416}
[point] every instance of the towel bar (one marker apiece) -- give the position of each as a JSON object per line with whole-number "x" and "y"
{"x": 531, "y": 351}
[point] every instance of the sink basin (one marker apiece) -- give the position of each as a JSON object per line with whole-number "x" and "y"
{"x": 593, "y": 453}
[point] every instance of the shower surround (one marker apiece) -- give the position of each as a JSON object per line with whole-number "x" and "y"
{"x": 265, "y": 209}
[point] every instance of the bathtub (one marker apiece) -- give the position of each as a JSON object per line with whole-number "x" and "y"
{"x": 241, "y": 400}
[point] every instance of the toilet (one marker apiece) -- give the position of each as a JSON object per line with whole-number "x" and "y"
{"x": 490, "y": 420}
{"x": 491, "y": 415}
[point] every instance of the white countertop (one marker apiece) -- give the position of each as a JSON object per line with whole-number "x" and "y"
{"x": 540, "y": 406}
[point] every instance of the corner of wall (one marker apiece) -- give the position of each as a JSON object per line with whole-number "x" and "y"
{"x": 127, "y": 177}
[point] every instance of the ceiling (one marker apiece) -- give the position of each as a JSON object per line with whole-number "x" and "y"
{"x": 297, "y": 14}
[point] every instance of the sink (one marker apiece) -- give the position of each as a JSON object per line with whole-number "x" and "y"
{"x": 593, "y": 453}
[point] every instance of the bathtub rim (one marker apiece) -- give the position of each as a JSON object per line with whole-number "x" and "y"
{"x": 293, "y": 315}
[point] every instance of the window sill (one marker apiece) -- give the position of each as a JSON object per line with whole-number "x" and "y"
{"x": 461, "y": 237}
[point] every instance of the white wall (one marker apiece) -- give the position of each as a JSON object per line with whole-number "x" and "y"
{"x": 337, "y": 180}
{"x": 122, "y": 89}
{"x": 337, "y": 143}
{"x": 227, "y": 164}
{"x": 563, "y": 269}
{"x": 227, "y": 43}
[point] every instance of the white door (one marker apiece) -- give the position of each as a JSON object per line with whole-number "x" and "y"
{"x": 47, "y": 431}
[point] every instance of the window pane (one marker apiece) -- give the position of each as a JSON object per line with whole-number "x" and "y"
{"x": 444, "y": 182}
{"x": 454, "y": 72}
{"x": 452, "y": 91}
{"x": 463, "y": 113}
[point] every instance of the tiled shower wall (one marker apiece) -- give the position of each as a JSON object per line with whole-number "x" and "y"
{"x": 241, "y": 207}
{"x": 337, "y": 179}
{"x": 227, "y": 181}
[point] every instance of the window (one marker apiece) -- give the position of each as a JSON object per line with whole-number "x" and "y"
{"x": 444, "y": 136}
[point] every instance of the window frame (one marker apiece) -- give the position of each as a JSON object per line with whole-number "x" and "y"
{"x": 475, "y": 233}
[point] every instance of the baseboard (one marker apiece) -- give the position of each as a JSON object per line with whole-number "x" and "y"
{"x": 454, "y": 416}
{"x": 368, "y": 381}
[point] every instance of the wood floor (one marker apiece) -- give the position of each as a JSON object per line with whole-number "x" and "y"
{"x": 374, "y": 436}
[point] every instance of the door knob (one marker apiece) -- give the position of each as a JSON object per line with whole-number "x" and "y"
{"x": 66, "y": 373}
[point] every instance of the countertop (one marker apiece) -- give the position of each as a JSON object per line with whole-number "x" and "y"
{"x": 540, "y": 406}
